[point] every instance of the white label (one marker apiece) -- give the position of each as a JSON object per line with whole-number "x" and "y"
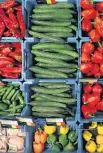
{"x": 8, "y": 122}
{"x": 54, "y": 120}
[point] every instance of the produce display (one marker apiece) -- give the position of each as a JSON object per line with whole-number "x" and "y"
{"x": 54, "y": 22}
{"x": 10, "y": 60}
{"x": 11, "y": 19}
{"x": 93, "y": 137}
{"x": 11, "y": 99}
{"x": 92, "y": 100}
{"x": 60, "y": 138}
{"x": 54, "y": 60}
{"x": 12, "y": 140}
{"x": 92, "y": 59}
{"x": 53, "y": 100}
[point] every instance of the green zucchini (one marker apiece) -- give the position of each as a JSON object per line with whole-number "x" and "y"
{"x": 54, "y": 85}
{"x": 51, "y": 46}
{"x": 44, "y": 90}
{"x": 57, "y": 5}
{"x": 41, "y": 114}
{"x": 65, "y": 70}
{"x": 52, "y": 55}
{"x": 47, "y": 103}
{"x": 7, "y": 92}
{"x": 44, "y": 71}
{"x": 50, "y": 29}
{"x": 3, "y": 106}
{"x": 50, "y": 61}
{"x": 44, "y": 36}
{"x": 50, "y": 23}
{"x": 70, "y": 65}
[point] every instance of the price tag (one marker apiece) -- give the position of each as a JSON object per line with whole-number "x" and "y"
{"x": 88, "y": 80}
{"x": 13, "y": 124}
{"x": 28, "y": 121}
{"x": 58, "y": 121}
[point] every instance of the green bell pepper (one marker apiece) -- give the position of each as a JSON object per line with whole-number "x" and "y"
{"x": 72, "y": 136}
{"x": 52, "y": 139}
{"x": 56, "y": 147}
{"x": 69, "y": 147}
{"x": 63, "y": 140}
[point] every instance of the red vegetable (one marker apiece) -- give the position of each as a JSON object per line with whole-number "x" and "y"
{"x": 89, "y": 74}
{"x": 86, "y": 25}
{"x": 95, "y": 68}
{"x": 17, "y": 47}
{"x": 94, "y": 35}
{"x": 7, "y": 34}
{"x": 4, "y": 18}
{"x": 93, "y": 109}
{"x": 93, "y": 99}
{"x": 16, "y": 55}
{"x": 97, "y": 88}
{"x": 99, "y": 106}
{"x": 14, "y": 20}
{"x": 6, "y": 49}
{"x": 7, "y": 4}
{"x": 97, "y": 57}
{"x": 4, "y": 63}
{"x": 85, "y": 57}
{"x": 9, "y": 10}
{"x": 87, "y": 88}
{"x": 98, "y": 74}
{"x": 6, "y": 59}
{"x": 21, "y": 23}
{"x": 86, "y": 4}
{"x": 99, "y": 26}
{"x": 2, "y": 28}
{"x": 87, "y": 48}
{"x": 11, "y": 70}
{"x": 86, "y": 111}
{"x": 9, "y": 75}
{"x": 99, "y": 6}
{"x": 101, "y": 68}
{"x": 18, "y": 8}
{"x": 100, "y": 48}
{"x": 84, "y": 98}
{"x": 86, "y": 67}
{"x": 89, "y": 14}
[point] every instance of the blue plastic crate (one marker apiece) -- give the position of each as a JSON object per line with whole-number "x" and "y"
{"x": 29, "y": 58}
{"x": 29, "y": 4}
{"x": 18, "y": 41}
{"x": 25, "y": 111}
{"x": 41, "y": 123}
{"x": 99, "y": 115}
{"x": 22, "y": 3}
{"x": 28, "y": 93}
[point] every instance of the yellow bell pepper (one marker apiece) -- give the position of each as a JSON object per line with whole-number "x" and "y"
{"x": 99, "y": 139}
{"x": 100, "y": 148}
{"x": 49, "y": 129}
{"x": 100, "y": 129}
{"x": 93, "y": 125}
{"x": 91, "y": 146}
{"x": 87, "y": 135}
{"x": 64, "y": 129}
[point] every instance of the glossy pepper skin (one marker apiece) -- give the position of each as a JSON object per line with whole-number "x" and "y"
{"x": 95, "y": 69}
{"x": 64, "y": 129}
{"x": 49, "y": 129}
{"x": 93, "y": 99}
{"x": 86, "y": 4}
{"x": 51, "y": 139}
{"x": 100, "y": 48}
{"x": 84, "y": 98}
{"x": 94, "y": 35}
{"x": 16, "y": 55}
{"x": 85, "y": 57}
{"x": 88, "y": 48}
{"x": 63, "y": 140}
{"x": 86, "y": 25}
{"x": 99, "y": 26}
{"x": 86, "y": 67}
{"x": 99, "y": 106}
{"x": 97, "y": 88}
{"x": 99, "y": 6}
{"x": 100, "y": 148}
{"x": 38, "y": 147}
{"x": 8, "y": 4}
{"x": 89, "y": 14}
{"x": 90, "y": 146}
{"x": 72, "y": 136}
{"x": 93, "y": 125}
{"x": 87, "y": 88}
{"x": 87, "y": 135}
{"x": 100, "y": 129}
{"x": 97, "y": 57}
{"x": 99, "y": 139}
{"x": 86, "y": 111}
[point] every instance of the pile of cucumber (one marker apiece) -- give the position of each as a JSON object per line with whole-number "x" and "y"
{"x": 53, "y": 100}
{"x": 54, "y": 22}
{"x": 54, "y": 61}
{"x": 11, "y": 100}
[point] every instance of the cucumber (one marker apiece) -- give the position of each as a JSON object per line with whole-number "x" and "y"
{"x": 3, "y": 106}
{"x": 50, "y": 23}
{"x": 44, "y": 90}
{"x": 44, "y": 36}
{"x": 68, "y": 101}
{"x": 47, "y": 103}
{"x": 52, "y": 15}
{"x": 54, "y": 85}
{"x": 70, "y": 65}
{"x": 65, "y": 95}
{"x": 3, "y": 89}
{"x": 53, "y": 55}
{"x": 50, "y": 29}
{"x": 61, "y": 34}
{"x": 41, "y": 114}
{"x": 55, "y": 6}
{"x": 7, "y": 92}
{"x": 75, "y": 28}
{"x": 51, "y": 46}
{"x": 11, "y": 94}
{"x": 15, "y": 95}
{"x": 43, "y": 76}
{"x": 50, "y": 61}
{"x": 44, "y": 71}
{"x": 65, "y": 70}
{"x": 48, "y": 109}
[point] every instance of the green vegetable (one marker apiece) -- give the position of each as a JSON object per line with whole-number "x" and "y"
{"x": 15, "y": 95}
{"x": 3, "y": 106}
{"x": 61, "y": 34}
{"x": 7, "y": 92}
{"x": 52, "y": 139}
{"x": 70, "y": 66}
{"x": 21, "y": 100}
{"x": 54, "y": 85}
{"x": 44, "y": 114}
{"x": 72, "y": 136}
{"x": 63, "y": 140}
{"x": 11, "y": 94}
{"x": 56, "y": 147}
{"x": 65, "y": 70}
{"x": 47, "y": 76}
{"x": 69, "y": 147}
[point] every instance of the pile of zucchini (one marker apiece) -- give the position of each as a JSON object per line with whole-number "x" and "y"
{"x": 54, "y": 61}
{"x": 53, "y": 100}
{"x": 54, "y": 22}
{"x": 11, "y": 99}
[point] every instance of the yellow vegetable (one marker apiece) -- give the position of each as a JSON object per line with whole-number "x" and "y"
{"x": 100, "y": 129}
{"x": 90, "y": 146}
{"x": 64, "y": 129}
{"x": 49, "y": 129}
{"x": 87, "y": 135}
{"x": 100, "y": 148}
{"x": 99, "y": 139}
{"x": 93, "y": 125}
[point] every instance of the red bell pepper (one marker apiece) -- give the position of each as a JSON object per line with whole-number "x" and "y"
{"x": 87, "y": 88}
{"x": 94, "y": 35}
{"x": 10, "y": 75}
{"x": 7, "y": 34}
{"x": 99, "y": 26}
{"x": 9, "y": 10}
{"x": 21, "y": 23}
{"x": 12, "y": 70}
{"x": 100, "y": 48}
{"x": 97, "y": 88}
{"x": 89, "y": 74}
{"x": 18, "y": 8}
{"x": 97, "y": 57}
{"x": 98, "y": 74}
{"x": 93, "y": 109}
{"x": 86, "y": 25}
{"x": 86, "y": 67}
{"x": 84, "y": 98}
{"x": 7, "y": 4}
{"x": 95, "y": 68}
{"x": 13, "y": 19}
{"x": 101, "y": 68}
{"x": 89, "y": 14}
{"x": 86, "y": 4}
{"x": 86, "y": 111}
{"x": 85, "y": 57}
{"x": 16, "y": 55}
{"x": 99, "y": 6}
{"x": 93, "y": 99}
{"x": 99, "y": 106}
{"x": 88, "y": 48}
